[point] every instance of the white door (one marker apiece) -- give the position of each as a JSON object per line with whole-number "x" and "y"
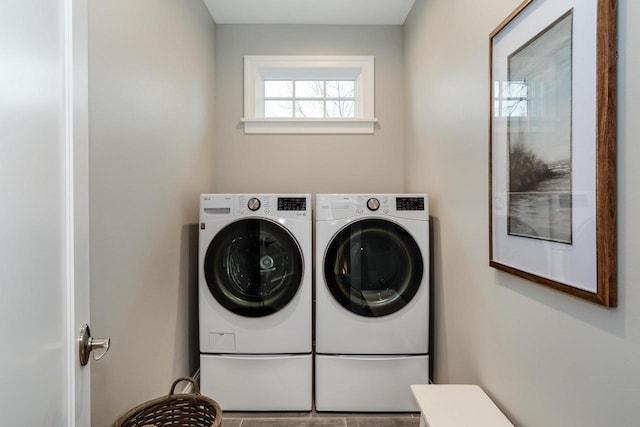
{"x": 44, "y": 264}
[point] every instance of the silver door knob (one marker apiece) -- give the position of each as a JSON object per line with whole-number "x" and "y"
{"x": 87, "y": 344}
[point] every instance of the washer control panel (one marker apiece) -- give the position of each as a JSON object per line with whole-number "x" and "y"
{"x": 292, "y": 203}
{"x": 273, "y": 205}
{"x": 410, "y": 203}
{"x": 284, "y": 204}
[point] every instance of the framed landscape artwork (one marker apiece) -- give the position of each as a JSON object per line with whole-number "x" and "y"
{"x": 552, "y": 189}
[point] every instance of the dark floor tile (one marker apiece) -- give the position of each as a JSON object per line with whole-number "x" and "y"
{"x": 240, "y": 414}
{"x": 293, "y": 422}
{"x": 383, "y": 422}
{"x": 365, "y": 414}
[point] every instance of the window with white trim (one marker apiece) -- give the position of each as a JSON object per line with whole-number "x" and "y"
{"x": 309, "y": 98}
{"x": 309, "y": 94}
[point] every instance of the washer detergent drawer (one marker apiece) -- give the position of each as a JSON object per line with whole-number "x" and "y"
{"x": 368, "y": 383}
{"x": 258, "y": 382}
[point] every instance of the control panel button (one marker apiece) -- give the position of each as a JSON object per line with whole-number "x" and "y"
{"x": 373, "y": 204}
{"x": 253, "y": 204}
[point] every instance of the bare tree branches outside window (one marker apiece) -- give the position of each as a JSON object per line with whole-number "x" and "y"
{"x": 511, "y": 99}
{"x": 309, "y": 98}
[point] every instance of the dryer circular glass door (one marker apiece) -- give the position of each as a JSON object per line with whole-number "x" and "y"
{"x": 373, "y": 267}
{"x": 253, "y": 267}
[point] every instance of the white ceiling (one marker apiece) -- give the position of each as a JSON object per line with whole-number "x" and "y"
{"x": 348, "y": 12}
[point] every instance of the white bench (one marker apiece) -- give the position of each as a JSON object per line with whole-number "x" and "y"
{"x": 457, "y": 405}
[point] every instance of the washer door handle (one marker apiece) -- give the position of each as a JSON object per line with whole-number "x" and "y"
{"x": 87, "y": 344}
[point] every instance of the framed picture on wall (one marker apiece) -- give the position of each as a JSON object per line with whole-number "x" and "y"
{"x": 552, "y": 189}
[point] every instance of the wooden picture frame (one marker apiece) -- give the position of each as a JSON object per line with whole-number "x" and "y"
{"x": 552, "y": 151}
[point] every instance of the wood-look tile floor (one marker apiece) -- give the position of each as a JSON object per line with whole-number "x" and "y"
{"x": 315, "y": 419}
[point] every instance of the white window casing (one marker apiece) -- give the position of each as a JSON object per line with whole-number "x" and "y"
{"x": 258, "y": 68}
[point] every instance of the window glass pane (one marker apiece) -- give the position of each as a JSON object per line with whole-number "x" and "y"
{"x": 309, "y": 109}
{"x": 278, "y": 108}
{"x": 309, "y": 89}
{"x": 340, "y": 109}
{"x": 514, "y": 89}
{"x": 341, "y": 89}
{"x": 278, "y": 89}
{"x": 514, "y": 108}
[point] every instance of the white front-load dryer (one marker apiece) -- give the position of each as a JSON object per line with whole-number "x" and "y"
{"x": 372, "y": 301}
{"x": 255, "y": 301}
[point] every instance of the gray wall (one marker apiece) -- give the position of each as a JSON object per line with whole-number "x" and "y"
{"x": 309, "y": 163}
{"x": 548, "y": 359}
{"x": 151, "y": 76}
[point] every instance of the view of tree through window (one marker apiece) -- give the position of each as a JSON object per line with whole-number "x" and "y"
{"x": 309, "y": 98}
{"x": 510, "y": 98}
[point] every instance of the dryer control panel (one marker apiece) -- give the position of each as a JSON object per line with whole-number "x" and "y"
{"x": 338, "y": 206}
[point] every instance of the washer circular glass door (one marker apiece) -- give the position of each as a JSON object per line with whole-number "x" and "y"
{"x": 373, "y": 267}
{"x": 253, "y": 267}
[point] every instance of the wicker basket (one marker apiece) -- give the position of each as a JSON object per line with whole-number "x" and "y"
{"x": 188, "y": 410}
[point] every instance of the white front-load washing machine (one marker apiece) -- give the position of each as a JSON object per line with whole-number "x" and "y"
{"x": 255, "y": 301}
{"x": 372, "y": 301}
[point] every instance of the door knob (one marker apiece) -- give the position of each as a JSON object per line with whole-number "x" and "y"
{"x": 87, "y": 344}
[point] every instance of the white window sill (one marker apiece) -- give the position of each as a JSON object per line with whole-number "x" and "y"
{"x": 309, "y": 126}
